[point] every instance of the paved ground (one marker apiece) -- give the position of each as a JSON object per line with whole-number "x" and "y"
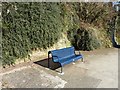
{"x": 100, "y": 70}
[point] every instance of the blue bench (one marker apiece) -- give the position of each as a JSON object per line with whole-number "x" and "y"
{"x": 64, "y": 56}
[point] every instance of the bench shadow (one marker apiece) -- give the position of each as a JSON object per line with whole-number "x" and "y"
{"x": 44, "y": 63}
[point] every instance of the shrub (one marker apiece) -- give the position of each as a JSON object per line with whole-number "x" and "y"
{"x": 85, "y": 39}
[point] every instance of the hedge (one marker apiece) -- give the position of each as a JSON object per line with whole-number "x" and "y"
{"x": 27, "y": 27}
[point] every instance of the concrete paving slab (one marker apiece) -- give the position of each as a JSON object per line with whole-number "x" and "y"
{"x": 32, "y": 78}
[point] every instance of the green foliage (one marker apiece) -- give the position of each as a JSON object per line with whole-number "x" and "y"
{"x": 84, "y": 40}
{"x": 70, "y": 17}
{"x": 94, "y": 15}
{"x": 27, "y": 27}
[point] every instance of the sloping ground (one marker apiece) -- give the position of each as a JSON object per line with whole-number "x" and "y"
{"x": 100, "y": 70}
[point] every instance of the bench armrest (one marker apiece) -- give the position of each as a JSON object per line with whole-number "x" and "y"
{"x": 78, "y": 54}
{"x": 57, "y": 57}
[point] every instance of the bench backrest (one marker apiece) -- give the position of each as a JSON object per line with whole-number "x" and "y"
{"x": 63, "y": 53}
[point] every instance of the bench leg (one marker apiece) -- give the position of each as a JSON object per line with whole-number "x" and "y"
{"x": 82, "y": 60}
{"x": 73, "y": 62}
{"x": 62, "y": 73}
{"x": 48, "y": 61}
{"x": 61, "y": 69}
